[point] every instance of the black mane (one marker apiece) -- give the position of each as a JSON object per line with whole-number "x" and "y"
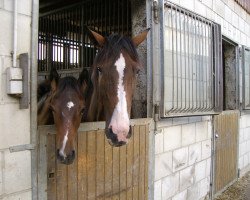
{"x": 114, "y": 45}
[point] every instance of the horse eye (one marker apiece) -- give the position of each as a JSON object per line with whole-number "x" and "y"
{"x": 99, "y": 69}
{"x": 82, "y": 111}
{"x": 51, "y": 108}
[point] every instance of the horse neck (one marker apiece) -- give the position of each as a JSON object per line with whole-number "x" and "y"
{"x": 44, "y": 115}
{"x": 95, "y": 108}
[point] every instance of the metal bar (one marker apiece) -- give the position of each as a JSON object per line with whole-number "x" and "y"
{"x": 180, "y": 56}
{"x": 193, "y": 61}
{"x": 176, "y": 43}
{"x": 185, "y": 56}
{"x": 188, "y": 53}
{"x": 33, "y": 97}
{"x": 173, "y": 63}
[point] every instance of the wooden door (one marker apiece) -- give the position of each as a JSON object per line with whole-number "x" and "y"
{"x": 99, "y": 170}
{"x": 226, "y": 127}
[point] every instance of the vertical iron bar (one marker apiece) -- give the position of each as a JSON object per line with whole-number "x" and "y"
{"x": 180, "y": 56}
{"x": 199, "y": 62}
{"x": 185, "y": 57}
{"x": 202, "y": 64}
{"x": 188, "y": 62}
{"x": 173, "y": 63}
{"x": 176, "y": 46}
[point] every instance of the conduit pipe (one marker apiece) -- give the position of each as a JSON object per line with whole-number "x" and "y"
{"x": 14, "y": 73}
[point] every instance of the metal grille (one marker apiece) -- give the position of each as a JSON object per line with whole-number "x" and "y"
{"x": 192, "y": 62}
{"x": 63, "y": 41}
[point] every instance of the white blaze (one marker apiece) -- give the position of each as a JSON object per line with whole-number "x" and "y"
{"x": 70, "y": 104}
{"x": 120, "y": 120}
{"x": 65, "y": 139}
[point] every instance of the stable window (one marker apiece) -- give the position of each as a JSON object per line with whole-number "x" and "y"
{"x": 192, "y": 63}
{"x": 246, "y": 78}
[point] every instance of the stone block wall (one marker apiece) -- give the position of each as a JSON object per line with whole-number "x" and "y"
{"x": 183, "y": 160}
{"x": 244, "y": 144}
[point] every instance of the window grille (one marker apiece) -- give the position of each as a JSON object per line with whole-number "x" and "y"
{"x": 192, "y": 63}
{"x": 63, "y": 42}
{"x": 246, "y": 78}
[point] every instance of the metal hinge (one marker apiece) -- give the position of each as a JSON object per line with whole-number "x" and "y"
{"x": 156, "y": 112}
{"x": 156, "y": 11}
{"x": 240, "y": 52}
{"x": 22, "y": 147}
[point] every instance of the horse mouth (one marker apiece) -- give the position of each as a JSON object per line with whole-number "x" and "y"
{"x": 113, "y": 139}
{"x": 69, "y": 159}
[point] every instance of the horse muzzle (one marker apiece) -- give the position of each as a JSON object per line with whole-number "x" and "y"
{"x": 117, "y": 140}
{"x": 68, "y": 159}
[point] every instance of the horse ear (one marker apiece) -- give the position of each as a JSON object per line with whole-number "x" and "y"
{"x": 83, "y": 80}
{"x": 140, "y": 38}
{"x": 54, "y": 78}
{"x": 97, "y": 39}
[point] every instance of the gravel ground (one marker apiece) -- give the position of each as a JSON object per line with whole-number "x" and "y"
{"x": 240, "y": 190}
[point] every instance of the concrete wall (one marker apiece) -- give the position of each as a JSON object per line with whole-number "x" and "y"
{"x": 244, "y": 144}
{"x": 183, "y": 146}
{"x": 15, "y": 168}
{"x": 183, "y": 159}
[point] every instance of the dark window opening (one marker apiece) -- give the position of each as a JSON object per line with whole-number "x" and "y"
{"x": 230, "y": 90}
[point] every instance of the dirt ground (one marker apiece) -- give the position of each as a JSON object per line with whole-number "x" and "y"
{"x": 240, "y": 190}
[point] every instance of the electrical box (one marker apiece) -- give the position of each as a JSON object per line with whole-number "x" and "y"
{"x": 14, "y": 81}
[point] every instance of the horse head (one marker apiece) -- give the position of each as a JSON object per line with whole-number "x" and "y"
{"x": 114, "y": 77}
{"x": 66, "y": 103}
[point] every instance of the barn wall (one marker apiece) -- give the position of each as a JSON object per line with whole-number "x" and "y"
{"x": 139, "y": 106}
{"x": 183, "y": 158}
{"x": 15, "y": 168}
{"x": 244, "y": 145}
{"x": 183, "y": 146}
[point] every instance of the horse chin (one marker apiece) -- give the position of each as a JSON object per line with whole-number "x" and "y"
{"x": 112, "y": 138}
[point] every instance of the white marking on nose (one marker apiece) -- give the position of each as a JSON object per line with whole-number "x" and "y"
{"x": 70, "y": 104}
{"x": 65, "y": 139}
{"x": 120, "y": 119}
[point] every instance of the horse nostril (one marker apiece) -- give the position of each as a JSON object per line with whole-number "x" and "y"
{"x": 129, "y": 133}
{"x": 73, "y": 153}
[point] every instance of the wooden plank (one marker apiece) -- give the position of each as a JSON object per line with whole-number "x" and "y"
{"x": 115, "y": 173}
{"x": 82, "y": 165}
{"x": 51, "y": 166}
{"x": 226, "y": 125}
{"x": 100, "y": 153}
{"x": 42, "y": 165}
{"x": 136, "y": 163}
{"x": 146, "y": 161}
{"x": 108, "y": 170}
{"x": 129, "y": 163}
{"x": 72, "y": 178}
{"x": 91, "y": 165}
{"x": 61, "y": 181}
{"x": 142, "y": 133}
{"x": 123, "y": 174}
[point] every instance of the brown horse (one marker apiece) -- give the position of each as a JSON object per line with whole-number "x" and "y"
{"x": 114, "y": 76}
{"x": 63, "y": 104}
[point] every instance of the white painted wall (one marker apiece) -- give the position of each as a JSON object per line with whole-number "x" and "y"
{"x": 15, "y": 168}
{"x": 183, "y": 148}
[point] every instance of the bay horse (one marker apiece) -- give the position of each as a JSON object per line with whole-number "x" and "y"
{"x": 62, "y": 104}
{"x": 113, "y": 77}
